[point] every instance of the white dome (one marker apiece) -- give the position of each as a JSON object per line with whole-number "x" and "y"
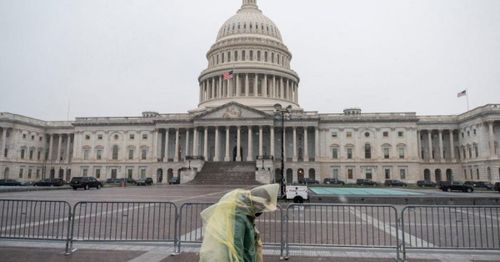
{"x": 249, "y": 20}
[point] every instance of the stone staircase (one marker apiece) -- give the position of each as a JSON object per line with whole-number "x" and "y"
{"x": 226, "y": 173}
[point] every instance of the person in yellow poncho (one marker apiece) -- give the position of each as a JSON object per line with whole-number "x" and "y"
{"x": 229, "y": 228}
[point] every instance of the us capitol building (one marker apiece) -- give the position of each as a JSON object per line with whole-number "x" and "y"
{"x": 236, "y": 121}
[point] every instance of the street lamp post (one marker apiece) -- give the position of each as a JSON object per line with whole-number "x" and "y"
{"x": 282, "y": 111}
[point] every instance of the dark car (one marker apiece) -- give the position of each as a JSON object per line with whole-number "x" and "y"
{"x": 174, "y": 180}
{"x": 426, "y": 183}
{"x": 393, "y": 182}
{"x": 85, "y": 182}
{"x": 333, "y": 181}
{"x": 50, "y": 182}
{"x": 480, "y": 184}
{"x": 120, "y": 181}
{"x": 496, "y": 187}
{"x": 309, "y": 181}
{"x": 9, "y": 182}
{"x": 147, "y": 181}
{"x": 456, "y": 186}
{"x": 365, "y": 182}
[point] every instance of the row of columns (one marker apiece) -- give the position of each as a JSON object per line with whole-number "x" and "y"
{"x": 430, "y": 146}
{"x": 194, "y": 151}
{"x": 69, "y": 146}
{"x": 239, "y": 86}
{"x": 3, "y": 144}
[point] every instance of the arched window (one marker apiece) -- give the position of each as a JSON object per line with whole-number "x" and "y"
{"x": 368, "y": 151}
{"x": 115, "y": 152}
{"x": 243, "y": 55}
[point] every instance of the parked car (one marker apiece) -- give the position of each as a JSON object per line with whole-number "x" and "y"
{"x": 456, "y": 186}
{"x": 147, "y": 181}
{"x": 333, "y": 181}
{"x": 365, "y": 182}
{"x": 9, "y": 182}
{"x": 480, "y": 184}
{"x": 85, "y": 182}
{"x": 308, "y": 181}
{"x": 119, "y": 181}
{"x": 50, "y": 182}
{"x": 394, "y": 182}
{"x": 173, "y": 180}
{"x": 496, "y": 187}
{"x": 426, "y": 183}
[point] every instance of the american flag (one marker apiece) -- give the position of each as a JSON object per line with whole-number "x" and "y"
{"x": 463, "y": 93}
{"x": 228, "y": 75}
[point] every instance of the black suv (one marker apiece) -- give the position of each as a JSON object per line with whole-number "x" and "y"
{"x": 365, "y": 182}
{"x": 333, "y": 181}
{"x": 9, "y": 182}
{"x": 85, "y": 182}
{"x": 147, "y": 181}
{"x": 456, "y": 186}
{"x": 426, "y": 183}
{"x": 497, "y": 186}
{"x": 50, "y": 182}
{"x": 480, "y": 184}
{"x": 393, "y": 182}
{"x": 309, "y": 181}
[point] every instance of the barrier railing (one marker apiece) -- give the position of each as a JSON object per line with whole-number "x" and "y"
{"x": 327, "y": 225}
{"x": 124, "y": 222}
{"x": 450, "y": 227}
{"x": 35, "y": 220}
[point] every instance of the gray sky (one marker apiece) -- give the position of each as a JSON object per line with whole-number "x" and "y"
{"x": 122, "y": 57}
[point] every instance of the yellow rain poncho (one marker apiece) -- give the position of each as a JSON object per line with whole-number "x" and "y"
{"x": 229, "y": 229}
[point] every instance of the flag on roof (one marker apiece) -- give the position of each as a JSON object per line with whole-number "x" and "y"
{"x": 228, "y": 75}
{"x": 463, "y": 93}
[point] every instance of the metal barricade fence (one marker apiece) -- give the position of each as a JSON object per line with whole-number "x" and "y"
{"x": 450, "y": 227}
{"x": 332, "y": 225}
{"x": 35, "y": 220}
{"x": 124, "y": 222}
{"x": 191, "y": 225}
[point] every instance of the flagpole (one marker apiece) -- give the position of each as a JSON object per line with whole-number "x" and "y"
{"x": 467, "y": 97}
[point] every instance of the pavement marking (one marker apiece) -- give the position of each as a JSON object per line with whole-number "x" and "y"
{"x": 410, "y": 239}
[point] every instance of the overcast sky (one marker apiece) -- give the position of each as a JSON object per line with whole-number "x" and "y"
{"x": 123, "y": 57}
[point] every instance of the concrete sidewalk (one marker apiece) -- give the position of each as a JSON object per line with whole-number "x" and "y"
{"x": 33, "y": 251}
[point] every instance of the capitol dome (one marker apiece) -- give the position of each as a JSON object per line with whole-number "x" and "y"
{"x": 249, "y": 64}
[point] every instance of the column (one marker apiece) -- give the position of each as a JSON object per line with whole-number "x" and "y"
{"x": 316, "y": 144}
{"x": 306, "y": 146}
{"x": 419, "y": 146}
{"x": 227, "y": 157}
{"x": 67, "y": 147}
{"x": 256, "y": 85}
{"x": 261, "y": 138}
{"x": 429, "y": 142}
{"x": 271, "y": 152}
{"x": 4, "y": 143}
{"x": 273, "y": 89}
{"x": 264, "y": 86}
{"x": 238, "y": 87}
{"x": 491, "y": 132}
{"x": 282, "y": 88}
{"x": 195, "y": 142}
{"x": 165, "y": 159}
{"x": 250, "y": 145}
{"x": 238, "y": 144}
{"x": 59, "y": 142}
{"x": 283, "y": 143}
{"x": 212, "y": 88}
{"x": 187, "y": 142}
{"x": 205, "y": 144}
{"x": 217, "y": 149}
{"x": 155, "y": 144}
{"x": 220, "y": 87}
{"x": 441, "y": 155}
{"x": 246, "y": 85}
{"x": 159, "y": 145}
{"x": 294, "y": 144}
{"x": 176, "y": 153}
{"x": 452, "y": 147}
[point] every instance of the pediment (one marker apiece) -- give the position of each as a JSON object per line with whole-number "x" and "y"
{"x": 233, "y": 110}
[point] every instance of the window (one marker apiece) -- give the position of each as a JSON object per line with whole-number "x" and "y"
{"x": 99, "y": 137}
{"x": 6, "y": 152}
{"x": 334, "y": 134}
{"x": 386, "y": 153}
{"x": 468, "y": 133}
{"x": 143, "y": 172}
{"x": 29, "y": 173}
{"x": 40, "y": 139}
{"x": 24, "y": 136}
{"x": 33, "y": 137}
{"x": 368, "y": 151}
{"x": 114, "y": 173}
{"x": 476, "y": 151}
{"x": 349, "y": 134}
{"x": 402, "y": 173}
{"x": 335, "y": 153}
{"x": 251, "y": 55}
{"x": 477, "y": 173}
{"x": 98, "y": 173}
{"x": 38, "y": 173}
{"x": 39, "y": 156}
{"x": 387, "y": 172}
{"x": 21, "y": 172}
{"x": 349, "y": 153}
{"x": 400, "y": 134}
{"x": 401, "y": 153}
{"x": 31, "y": 154}
{"x": 86, "y": 153}
{"x": 22, "y": 153}
{"x": 368, "y": 173}
{"x": 132, "y": 136}
{"x": 85, "y": 172}
{"x": 115, "y": 153}
{"x": 243, "y": 55}
{"x": 130, "y": 154}
{"x": 474, "y": 131}
{"x": 335, "y": 173}
{"x": 386, "y": 134}
{"x": 98, "y": 154}
{"x": 367, "y": 134}
{"x": 87, "y": 137}
{"x": 144, "y": 136}
{"x": 144, "y": 154}
{"x": 116, "y": 137}
{"x": 350, "y": 173}
{"x": 130, "y": 172}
